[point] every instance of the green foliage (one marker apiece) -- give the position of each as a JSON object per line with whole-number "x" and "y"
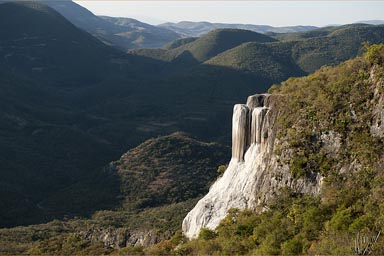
{"x": 176, "y": 167}
{"x": 375, "y": 54}
{"x": 287, "y": 228}
{"x": 292, "y": 247}
{"x": 221, "y": 169}
{"x": 207, "y": 234}
{"x": 271, "y": 62}
{"x": 67, "y": 245}
{"x": 297, "y": 167}
{"x": 129, "y": 250}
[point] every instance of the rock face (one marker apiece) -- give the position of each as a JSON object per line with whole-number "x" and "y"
{"x": 122, "y": 237}
{"x": 254, "y": 174}
{"x": 377, "y": 125}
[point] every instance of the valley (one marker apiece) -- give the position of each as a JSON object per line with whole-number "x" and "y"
{"x": 113, "y": 127}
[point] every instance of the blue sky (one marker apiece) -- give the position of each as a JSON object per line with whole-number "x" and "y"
{"x": 275, "y": 13}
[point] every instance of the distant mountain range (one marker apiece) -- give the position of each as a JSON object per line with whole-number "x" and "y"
{"x": 126, "y": 33}
{"x": 371, "y": 22}
{"x": 193, "y": 29}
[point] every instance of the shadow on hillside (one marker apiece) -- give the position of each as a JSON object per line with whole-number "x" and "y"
{"x": 52, "y": 166}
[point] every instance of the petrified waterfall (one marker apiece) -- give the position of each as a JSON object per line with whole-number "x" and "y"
{"x": 254, "y": 174}
{"x": 251, "y": 126}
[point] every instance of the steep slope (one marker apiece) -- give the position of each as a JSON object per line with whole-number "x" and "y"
{"x": 174, "y": 168}
{"x": 142, "y": 35}
{"x": 340, "y": 45}
{"x": 191, "y": 29}
{"x": 73, "y": 104}
{"x": 158, "y": 182}
{"x": 271, "y": 62}
{"x": 179, "y": 42}
{"x": 123, "y": 33}
{"x": 49, "y": 70}
{"x": 315, "y": 147}
{"x": 250, "y": 179}
{"x": 39, "y": 42}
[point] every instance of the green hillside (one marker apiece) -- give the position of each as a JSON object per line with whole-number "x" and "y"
{"x": 176, "y": 168}
{"x": 192, "y": 51}
{"x": 135, "y": 34}
{"x": 220, "y": 40}
{"x": 38, "y": 41}
{"x": 340, "y": 45}
{"x": 341, "y": 100}
{"x": 71, "y": 104}
{"x": 46, "y": 140}
{"x": 304, "y": 51}
{"x": 307, "y": 34}
{"x": 344, "y": 102}
{"x": 156, "y": 184}
{"x": 122, "y": 33}
{"x": 314, "y": 49}
{"x": 191, "y": 28}
{"x": 179, "y": 42}
{"x": 271, "y": 62}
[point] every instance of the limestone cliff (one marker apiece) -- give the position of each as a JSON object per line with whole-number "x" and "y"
{"x": 255, "y": 173}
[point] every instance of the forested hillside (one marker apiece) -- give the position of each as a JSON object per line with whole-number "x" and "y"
{"x": 330, "y": 122}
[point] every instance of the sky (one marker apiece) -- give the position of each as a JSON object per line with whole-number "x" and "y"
{"x": 274, "y": 13}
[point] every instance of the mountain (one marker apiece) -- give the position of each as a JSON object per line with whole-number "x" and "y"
{"x": 371, "y": 22}
{"x": 300, "y": 52}
{"x": 193, "y": 29}
{"x": 306, "y": 170}
{"x": 318, "y": 32}
{"x": 123, "y": 33}
{"x": 208, "y": 45}
{"x": 142, "y": 35}
{"x": 174, "y": 167}
{"x": 49, "y": 71}
{"x": 72, "y": 104}
{"x": 272, "y": 61}
{"x": 306, "y": 173}
{"x": 39, "y": 42}
{"x": 220, "y": 40}
{"x": 340, "y": 45}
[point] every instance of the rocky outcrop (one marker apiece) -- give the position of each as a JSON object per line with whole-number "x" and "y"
{"x": 121, "y": 237}
{"x": 255, "y": 174}
{"x": 377, "y": 125}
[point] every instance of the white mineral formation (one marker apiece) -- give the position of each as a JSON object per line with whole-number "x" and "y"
{"x": 253, "y": 174}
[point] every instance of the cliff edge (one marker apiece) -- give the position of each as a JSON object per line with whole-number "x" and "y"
{"x": 254, "y": 174}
